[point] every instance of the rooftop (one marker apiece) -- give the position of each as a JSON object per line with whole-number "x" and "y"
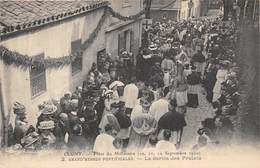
{"x": 17, "y": 16}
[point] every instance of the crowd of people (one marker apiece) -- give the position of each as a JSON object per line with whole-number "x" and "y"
{"x": 122, "y": 106}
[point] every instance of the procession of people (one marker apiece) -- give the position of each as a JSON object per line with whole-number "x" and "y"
{"x": 124, "y": 106}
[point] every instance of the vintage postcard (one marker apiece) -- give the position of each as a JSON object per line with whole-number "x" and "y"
{"x": 129, "y": 83}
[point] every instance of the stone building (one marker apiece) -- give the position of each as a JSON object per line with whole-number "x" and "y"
{"x": 53, "y": 30}
{"x": 164, "y": 10}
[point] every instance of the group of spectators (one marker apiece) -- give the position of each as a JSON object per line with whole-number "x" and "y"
{"x": 122, "y": 106}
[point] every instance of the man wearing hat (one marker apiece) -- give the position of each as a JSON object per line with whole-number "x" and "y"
{"x": 193, "y": 81}
{"x": 210, "y": 78}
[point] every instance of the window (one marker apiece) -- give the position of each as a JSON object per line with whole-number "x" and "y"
{"x": 132, "y": 41}
{"x": 37, "y": 78}
{"x": 76, "y": 65}
{"x": 122, "y": 41}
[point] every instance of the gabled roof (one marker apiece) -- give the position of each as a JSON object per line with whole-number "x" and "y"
{"x": 17, "y": 16}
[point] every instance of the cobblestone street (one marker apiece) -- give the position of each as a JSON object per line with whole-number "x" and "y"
{"x": 193, "y": 118}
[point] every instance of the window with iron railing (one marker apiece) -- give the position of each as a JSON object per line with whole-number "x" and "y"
{"x": 76, "y": 65}
{"x": 37, "y": 78}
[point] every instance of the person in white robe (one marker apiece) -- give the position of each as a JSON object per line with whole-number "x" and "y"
{"x": 130, "y": 96}
{"x": 108, "y": 101}
{"x": 159, "y": 107}
{"x": 167, "y": 66}
{"x": 143, "y": 126}
{"x": 221, "y": 77}
{"x": 143, "y": 105}
{"x": 137, "y": 110}
{"x": 166, "y": 144}
{"x": 104, "y": 141}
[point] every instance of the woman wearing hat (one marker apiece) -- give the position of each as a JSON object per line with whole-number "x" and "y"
{"x": 109, "y": 118}
{"x": 47, "y": 113}
{"x": 124, "y": 122}
{"x": 221, "y": 77}
{"x": 114, "y": 87}
{"x": 47, "y": 138}
{"x": 108, "y": 101}
{"x": 21, "y": 123}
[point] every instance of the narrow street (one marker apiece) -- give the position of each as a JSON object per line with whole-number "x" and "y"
{"x": 194, "y": 116}
{"x": 247, "y": 128}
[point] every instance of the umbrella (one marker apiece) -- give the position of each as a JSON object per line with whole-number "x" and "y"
{"x": 116, "y": 83}
{"x": 172, "y": 121}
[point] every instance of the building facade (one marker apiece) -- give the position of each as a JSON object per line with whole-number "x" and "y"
{"x": 165, "y": 10}
{"x": 190, "y": 8}
{"x": 53, "y": 34}
{"x": 124, "y": 34}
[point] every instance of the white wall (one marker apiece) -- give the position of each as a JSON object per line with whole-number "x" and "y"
{"x": 116, "y": 26}
{"x": 54, "y": 41}
{"x": 112, "y": 37}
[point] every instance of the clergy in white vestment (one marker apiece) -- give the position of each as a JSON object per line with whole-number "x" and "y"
{"x": 142, "y": 105}
{"x": 104, "y": 141}
{"x": 159, "y": 107}
{"x": 130, "y": 96}
{"x": 143, "y": 125}
{"x": 137, "y": 110}
{"x": 166, "y": 144}
{"x": 109, "y": 118}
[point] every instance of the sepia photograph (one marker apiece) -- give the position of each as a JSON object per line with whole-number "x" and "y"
{"x": 129, "y": 83}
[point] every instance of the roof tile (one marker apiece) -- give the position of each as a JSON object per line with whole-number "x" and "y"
{"x": 13, "y": 13}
